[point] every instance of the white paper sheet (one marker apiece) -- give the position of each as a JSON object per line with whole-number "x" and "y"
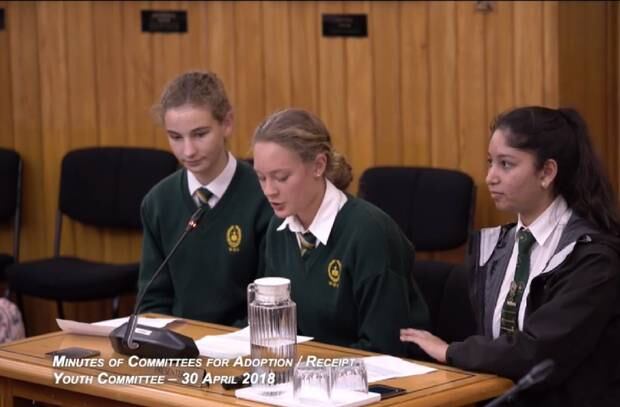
{"x": 152, "y": 322}
{"x": 231, "y": 345}
{"x": 385, "y": 367}
{"x": 103, "y": 328}
{"x": 81, "y": 328}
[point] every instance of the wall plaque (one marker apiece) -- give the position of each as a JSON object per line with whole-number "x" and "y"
{"x": 345, "y": 25}
{"x": 164, "y": 21}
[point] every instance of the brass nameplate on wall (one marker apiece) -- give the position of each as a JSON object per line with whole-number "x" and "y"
{"x": 345, "y": 25}
{"x": 164, "y": 21}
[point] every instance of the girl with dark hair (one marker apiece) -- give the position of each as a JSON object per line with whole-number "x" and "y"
{"x": 348, "y": 262}
{"x": 547, "y": 287}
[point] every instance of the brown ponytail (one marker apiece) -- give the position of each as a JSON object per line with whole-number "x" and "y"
{"x": 305, "y": 134}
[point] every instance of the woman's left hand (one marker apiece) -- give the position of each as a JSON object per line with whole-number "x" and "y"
{"x": 431, "y": 344}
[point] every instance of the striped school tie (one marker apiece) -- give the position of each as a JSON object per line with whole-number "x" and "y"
{"x": 203, "y": 195}
{"x": 308, "y": 242}
{"x": 510, "y": 311}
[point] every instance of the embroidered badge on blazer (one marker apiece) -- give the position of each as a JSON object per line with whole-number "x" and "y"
{"x": 334, "y": 269}
{"x": 233, "y": 238}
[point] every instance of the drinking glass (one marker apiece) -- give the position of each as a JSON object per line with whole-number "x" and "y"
{"x": 349, "y": 375}
{"x": 311, "y": 382}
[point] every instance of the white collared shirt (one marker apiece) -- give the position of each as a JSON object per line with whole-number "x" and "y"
{"x": 321, "y": 226}
{"x": 218, "y": 186}
{"x": 547, "y": 230}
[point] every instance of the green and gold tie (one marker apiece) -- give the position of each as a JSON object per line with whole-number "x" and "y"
{"x": 308, "y": 242}
{"x": 510, "y": 311}
{"x": 203, "y": 195}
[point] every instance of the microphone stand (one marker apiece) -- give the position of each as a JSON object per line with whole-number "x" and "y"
{"x": 156, "y": 342}
{"x": 538, "y": 373}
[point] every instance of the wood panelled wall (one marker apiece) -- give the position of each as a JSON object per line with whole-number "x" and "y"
{"x": 421, "y": 89}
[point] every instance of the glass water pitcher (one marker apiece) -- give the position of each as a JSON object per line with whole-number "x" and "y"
{"x": 272, "y": 317}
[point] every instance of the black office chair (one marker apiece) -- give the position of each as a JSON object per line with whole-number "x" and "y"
{"x": 10, "y": 204}
{"x": 444, "y": 286}
{"x": 433, "y": 206}
{"x": 435, "y": 209}
{"x": 103, "y": 187}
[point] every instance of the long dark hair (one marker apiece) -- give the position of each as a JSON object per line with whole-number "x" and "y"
{"x": 562, "y": 135}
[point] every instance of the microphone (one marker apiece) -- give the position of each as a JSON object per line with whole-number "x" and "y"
{"x": 147, "y": 342}
{"x": 538, "y": 373}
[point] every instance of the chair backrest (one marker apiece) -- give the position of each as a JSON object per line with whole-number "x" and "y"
{"x": 445, "y": 289}
{"x": 10, "y": 191}
{"x": 434, "y": 207}
{"x": 104, "y": 186}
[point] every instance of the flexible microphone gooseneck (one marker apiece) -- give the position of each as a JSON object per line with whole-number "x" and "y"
{"x": 133, "y": 339}
{"x": 538, "y": 373}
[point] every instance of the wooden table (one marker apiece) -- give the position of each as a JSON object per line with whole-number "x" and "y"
{"x": 26, "y": 372}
